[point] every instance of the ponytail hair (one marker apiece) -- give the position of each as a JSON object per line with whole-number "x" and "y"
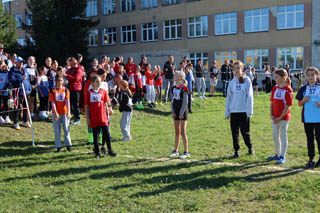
{"x": 241, "y": 64}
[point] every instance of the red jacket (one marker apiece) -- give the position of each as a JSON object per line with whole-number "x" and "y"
{"x": 75, "y": 77}
{"x": 130, "y": 68}
{"x": 158, "y": 79}
{"x": 149, "y": 76}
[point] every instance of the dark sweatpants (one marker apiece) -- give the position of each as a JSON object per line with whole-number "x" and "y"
{"x": 242, "y": 122}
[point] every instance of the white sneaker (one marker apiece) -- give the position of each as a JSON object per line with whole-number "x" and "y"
{"x": 185, "y": 155}
{"x": 174, "y": 154}
{"x": 8, "y": 121}
{"x": 204, "y": 97}
{"x": 16, "y": 126}
{"x": 26, "y": 124}
{"x": 200, "y": 97}
{"x": 2, "y": 121}
{"x": 126, "y": 138}
{"x": 192, "y": 99}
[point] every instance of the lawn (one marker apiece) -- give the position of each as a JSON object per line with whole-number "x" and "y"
{"x": 142, "y": 179}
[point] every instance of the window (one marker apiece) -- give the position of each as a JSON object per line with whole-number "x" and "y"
{"x": 226, "y": 23}
{"x": 22, "y": 42}
{"x": 172, "y": 29}
{"x": 128, "y": 34}
{"x": 18, "y": 18}
{"x": 92, "y": 8}
{"x": 93, "y": 38}
{"x": 221, "y": 56}
{"x": 292, "y": 56}
{"x": 257, "y": 20}
{"x": 108, "y": 7}
{"x": 256, "y": 58}
{"x": 168, "y": 2}
{"x": 128, "y": 5}
{"x": 198, "y": 26}
{"x": 148, "y": 4}
{"x": 193, "y": 57}
{"x": 29, "y": 19}
{"x": 290, "y": 17}
{"x": 109, "y": 36}
{"x": 150, "y": 32}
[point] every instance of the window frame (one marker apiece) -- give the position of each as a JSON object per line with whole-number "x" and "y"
{"x": 261, "y": 53}
{"x": 286, "y": 13}
{"x": 171, "y": 2}
{"x": 229, "y": 20}
{"x": 202, "y": 26}
{"x": 202, "y": 57}
{"x": 18, "y": 18}
{"x": 154, "y": 29}
{"x": 176, "y": 26}
{"x": 148, "y": 3}
{"x": 92, "y": 8}
{"x": 113, "y": 34}
{"x": 133, "y": 38}
{"x": 252, "y": 17}
{"x": 295, "y": 54}
{"x": 103, "y": 11}
{"x": 230, "y": 56}
{"x": 96, "y": 35}
{"x": 132, "y": 7}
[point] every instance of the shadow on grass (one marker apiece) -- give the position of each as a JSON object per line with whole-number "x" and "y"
{"x": 154, "y": 111}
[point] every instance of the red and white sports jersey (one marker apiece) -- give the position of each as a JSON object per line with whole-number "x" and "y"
{"x": 281, "y": 97}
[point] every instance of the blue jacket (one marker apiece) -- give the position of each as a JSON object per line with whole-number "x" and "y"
{"x": 16, "y": 80}
{"x": 189, "y": 80}
{"x": 4, "y": 83}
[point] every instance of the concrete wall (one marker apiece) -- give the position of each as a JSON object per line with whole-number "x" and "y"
{"x": 316, "y": 33}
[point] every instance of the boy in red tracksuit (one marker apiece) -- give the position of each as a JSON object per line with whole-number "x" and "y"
{"x": 139, "y": 87}
{"x": 75, "y": 77}
{"x": 158, "y": 84}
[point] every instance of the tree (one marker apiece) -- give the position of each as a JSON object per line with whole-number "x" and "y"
{"x": 8, "y": 35}
{"x": 58, "y": 28}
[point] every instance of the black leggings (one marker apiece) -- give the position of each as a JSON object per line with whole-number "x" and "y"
{"x": 158, "y": 95}
{"x": 44, "y": 104}
{"x": 22, "y": 101}
{"x": 4, "y": 102}
{"x": 189, "y": 101}
{"x": 74, "y": 102}
{"x": 105, "y": 137}
{"x": 312, "y": 131}
{"x": 242, "y": 122}
{"x": 139, "y": 94}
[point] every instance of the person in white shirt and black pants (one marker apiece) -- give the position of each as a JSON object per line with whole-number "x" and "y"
{"x": 239, "y": 107}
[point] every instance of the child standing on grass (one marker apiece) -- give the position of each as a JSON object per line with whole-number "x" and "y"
{"x": 96, "y": 103}
{"x": 4, "y": 96}
{"x": 158, "y": 84}
{"x": 150, "y": 87}
{"x": 188, "y": 71}
{"x": 43, "y": 93}
{"x": 309, "y": 98}
{"x": 139, "y": 87}
{"x": 60, "y": 102}
{"x": 281, "y": 100}
{"x": 179, "y": 104}
{"x": 125, "y": 101}
{"x": 239, "y": 107}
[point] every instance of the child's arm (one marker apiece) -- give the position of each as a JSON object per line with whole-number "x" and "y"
{"x": 304, "y": 100}
{"x": 284, "y": 112}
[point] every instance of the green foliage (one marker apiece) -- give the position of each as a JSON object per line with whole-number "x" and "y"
{"x": 7, "y": 28}
{"x": 57, "y": 29}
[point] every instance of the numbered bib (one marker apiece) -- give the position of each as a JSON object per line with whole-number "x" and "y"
{"x": 95, "y": 97}
{"x": 31, "y": 71}
{"x": 176, "y": 94}
{"x": 313, "y": 91}
{"x": 60, "y": 96}
{"x": 279, "y": 94}
{"x": 238, "y": 87}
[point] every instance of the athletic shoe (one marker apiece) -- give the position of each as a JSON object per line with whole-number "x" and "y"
{"x": 310, "y": 164}
{"x": 141, "y": 106}
{"x": 204, "y": 97}
{"x": 153, "y": 105}
{"x": 26, "y": 124}
{"x": 2, "y": 121}
{"x": 8, "y": 121}
{"x": 103, "y": 150}
{"x": 281, "y": 160}
{"x": 270, "y": 158}
{"x": 317, "y": 164}
{"x": 76, "y": 122}
{"x": 236, "y": 155}
{"x": 185, "y": 155}
{"x": 16, "y": 126}
{"x": 112, "y": 153}
{"x": 174, "y": 154}
{"x": 201, "y": 97}
{"x": 138, "y": 106}
{"x": 69, "y": 148}
{"x": 58, "y": 149}
{"x": 97, "y": 156}
{"x": 251, "y": 152}
{"x": 150, "y": 106}
{"x": 126, "y": 138}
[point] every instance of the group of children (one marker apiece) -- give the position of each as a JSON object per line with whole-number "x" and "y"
{"x": 239, "y": 108}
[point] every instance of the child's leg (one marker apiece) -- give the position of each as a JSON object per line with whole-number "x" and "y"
{"x": 317, "y": 133}
{"x": 106, "y": 137}
{"x": 284, "y": 136}
{"x": 184, "y": 135}
{"x": 276, "y": 137}
{"x": 153, "y": 96}
{"x": 123, "y": 124}
{"x": 148, "y": 94}
{"x": 129, "y": 123}
{"x": 1, "y": 101}
{"x": 96, "y": 133}
{"x": 25, "y": 112}
{"x": 177, "y": 135}
{"x": 6, "y": 107}
{"x": 66, "y": 128}
{"x": 203, "y": 86}
{"x": 90, "y": 135}
{"x": 157, "y": 93}
{"x": 57, "y": 131}
{"x": 189, "y": 102}
{"x": 198, "y": 84}
{"x": 245, "y": 130}
{"x": 235, "y": 125}
{"x": 309, "y": 130}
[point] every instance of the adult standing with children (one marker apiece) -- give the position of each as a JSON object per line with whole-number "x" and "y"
{"x": 168, "y": 70}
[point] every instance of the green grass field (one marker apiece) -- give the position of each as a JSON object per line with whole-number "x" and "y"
{"x": 142, "y": 179}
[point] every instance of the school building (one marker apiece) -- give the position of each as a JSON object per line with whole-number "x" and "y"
{"x": 256, "y": 32}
